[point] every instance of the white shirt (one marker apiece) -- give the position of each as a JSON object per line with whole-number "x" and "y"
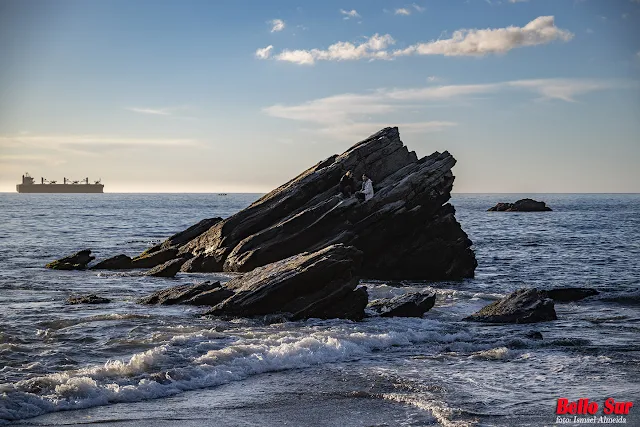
{"x": 367, "y": 189}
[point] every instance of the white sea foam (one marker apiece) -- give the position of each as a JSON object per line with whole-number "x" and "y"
{"x": 203, "y": 359}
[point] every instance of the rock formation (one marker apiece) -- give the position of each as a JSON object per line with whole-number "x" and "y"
{"x": 118, "y": 262}
{"x": 320, "y": 284}
{"x": 205, "y": 293}
{"x": 77, "y": 261}
{"x": 413, "y": 304}
{"x": 522, "y": 306}
{"x": 522, "y": 205}
{"x": 88, "y": 299}
{"x": 406, "y": 231}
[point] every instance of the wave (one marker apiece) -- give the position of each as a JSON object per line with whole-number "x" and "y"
{"x": 206, "y": 359}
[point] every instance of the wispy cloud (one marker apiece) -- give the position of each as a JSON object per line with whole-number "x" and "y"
{"x": 418, "y": 8}
{"x": 351, "y": 113}
{"x": 348, "y": 14}
{"x": 402, "y": 11}
{"x": 264, "y": 53}
{"x": 173, "y": 112}
{"x": 276, "y": 25}
{"x": 541, "y": 30}
{"x": 465, "y": 42}
{"x": 518, "y": 1}
{"x": 372, "y": 48}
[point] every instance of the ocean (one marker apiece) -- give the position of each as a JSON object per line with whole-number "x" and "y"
{"x": 124, "y": 364}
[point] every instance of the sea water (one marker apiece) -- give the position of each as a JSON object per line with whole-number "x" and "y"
{"x": 127, "y": 364}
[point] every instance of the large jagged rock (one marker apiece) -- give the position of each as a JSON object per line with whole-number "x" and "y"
{"x": 77, "y": 261}
{"x": 406, "y": 231}
{"x": 320, "y": 284}
{"x": 569, "y": 294}
{"x": 168, "y": 269}
{"x": 522, "y": 205}
{"x": 522, "y": 306}
{"x": 118, "y": 262}
{"x": 413, "y": 304}
{"x": 205, "y": 293}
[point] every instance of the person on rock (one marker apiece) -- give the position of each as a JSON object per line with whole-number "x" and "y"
{"x": 347, "y": 184}
{"x": 367, "y": 189}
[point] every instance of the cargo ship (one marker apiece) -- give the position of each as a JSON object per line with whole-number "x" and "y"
{"x": 68, "y": 186}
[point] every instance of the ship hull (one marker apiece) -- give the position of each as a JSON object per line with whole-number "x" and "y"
{"x": 60, "y": 188}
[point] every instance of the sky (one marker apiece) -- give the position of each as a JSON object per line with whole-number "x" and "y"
{"x": 530, "y": 96}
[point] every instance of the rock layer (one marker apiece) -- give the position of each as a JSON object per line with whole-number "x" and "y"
{"x": 522, "y": 306}
{"x": 406, "y": 231}
{"x": 205, "y": 293}
{"x": 321, "y": 284}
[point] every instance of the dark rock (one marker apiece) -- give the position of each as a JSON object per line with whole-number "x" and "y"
{"x": 211, "y": 297}
{"x": 201, "y": 264}
{"x": 522, "y": 306}
{"x": 569, "y": 294}
{"x": 413, "y": 304}
{"x": 407, "y": 230}
{"x": 154, "y": 259}
{"x": 185, "y": 236}
{"x": 118, "y": 262}
{"x": 321, "y": 284}
{"x": 184, "y": 294}
{"x": 534, "y": 335}
{"x": 77, "y": 261}
{"x": 168, "y": 269}
{"x": 88, "y": 299}
{"x": 522, "y": 205}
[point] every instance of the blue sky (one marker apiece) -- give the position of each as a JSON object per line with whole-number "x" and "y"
{"x": 197, "y": 96}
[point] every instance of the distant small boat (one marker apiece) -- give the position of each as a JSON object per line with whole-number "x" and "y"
{"x": 222, "y": 194}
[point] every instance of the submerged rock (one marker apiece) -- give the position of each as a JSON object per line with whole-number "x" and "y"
{"x": 522, "y": 306}
{"x": 168, "y": 269}
{"x": 318, "y": 284}
{"x": 205, "y": 293}
{"x": 407, "y": 230}
{"x": 118, "y": 262}
{"x": 408, "y": 305}
{"x": 522, "y": 205}
{"x": 569, "y": 294}
{"x": 88, "y": 299}
{"x": 77, "y": 261}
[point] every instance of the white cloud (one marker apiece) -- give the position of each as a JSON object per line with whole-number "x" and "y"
{"x": 49, "y": 140}
{"x": 402, "y": 11}
{"x": 433, "y": 79}
{"x": 518, "y": 1}
{"x": 348, "y": 14}
{"x": 264, "y": 53}
{"x": 465, "y": 42}
{"x": 373, "y": 48}
{"x": 152, "y": 111}
{"x": 277, "y": 25}
{"x": 354, "y": 114}
{"x": 419, "y": 8}
{"x": 474, "y": 42}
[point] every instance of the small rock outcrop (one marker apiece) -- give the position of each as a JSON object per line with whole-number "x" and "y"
{"x": 408, "y": 305}
{"x": 205, "y": 293}
{"x": 118, "y": 262}
{"x": 77, "y": 261}
{"x": 522, "y": 306}
{"x": 319, "y": 284}
{"x": 185, "y": 236}
{"x": 522, "y": 205}
{"x": 88, "y": 299}
{"x": 406, "y": 231}
{"x": 168, "y": 269}
{"x": 569, "y": 294}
